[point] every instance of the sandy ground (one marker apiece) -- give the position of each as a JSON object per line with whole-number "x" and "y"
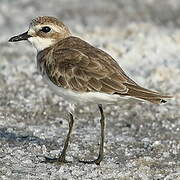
{"x": 142, "y": 140}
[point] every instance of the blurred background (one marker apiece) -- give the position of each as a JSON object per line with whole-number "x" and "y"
{"x": 131, "y": 30}
{"x": 142, "y": 140}
{"x": 15, "y": 14}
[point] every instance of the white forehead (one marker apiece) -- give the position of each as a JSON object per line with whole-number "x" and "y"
{"x": 39, "y": 43}
{"x": 35, "y": 28}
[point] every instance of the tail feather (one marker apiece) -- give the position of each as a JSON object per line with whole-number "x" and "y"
{"x": 145, "y": 94}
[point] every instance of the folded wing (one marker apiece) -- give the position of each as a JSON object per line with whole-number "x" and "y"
{"x": 84, "y": 71}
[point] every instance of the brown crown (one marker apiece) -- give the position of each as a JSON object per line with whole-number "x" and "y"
{"x": 46, "y": 20}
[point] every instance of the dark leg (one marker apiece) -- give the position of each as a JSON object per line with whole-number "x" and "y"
{"x": 62, "y": 156}
{"x": 100, "y": 156}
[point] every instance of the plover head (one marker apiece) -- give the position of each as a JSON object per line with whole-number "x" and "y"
{"x": 43, "y": 32}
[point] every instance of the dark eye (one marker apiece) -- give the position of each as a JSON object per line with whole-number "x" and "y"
{"x": 46, "y": 29}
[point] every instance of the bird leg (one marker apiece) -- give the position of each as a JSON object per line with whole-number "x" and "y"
{"x": 62, "y": 156}
{"x": 101, "y": 148}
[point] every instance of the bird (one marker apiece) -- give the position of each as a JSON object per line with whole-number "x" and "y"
{"x": 80, "y": 73}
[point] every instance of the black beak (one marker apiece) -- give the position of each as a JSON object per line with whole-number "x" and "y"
{"x": 20, "y": 37}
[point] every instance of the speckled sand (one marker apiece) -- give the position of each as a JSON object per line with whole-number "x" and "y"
{"x": 142, "y": 140}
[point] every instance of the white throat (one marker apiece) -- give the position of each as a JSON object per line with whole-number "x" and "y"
{"x": 41, "y": 43}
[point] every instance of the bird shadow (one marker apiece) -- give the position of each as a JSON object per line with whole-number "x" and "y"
{"x": 17, "y": 138}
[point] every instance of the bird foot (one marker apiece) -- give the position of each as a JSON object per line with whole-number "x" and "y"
{"x": 59, "y": 160}
{"x": 96, "y": 161}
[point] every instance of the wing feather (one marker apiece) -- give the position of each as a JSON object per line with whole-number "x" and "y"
{"x": 74, "y": 70}
{"x": 76, "y": 65}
